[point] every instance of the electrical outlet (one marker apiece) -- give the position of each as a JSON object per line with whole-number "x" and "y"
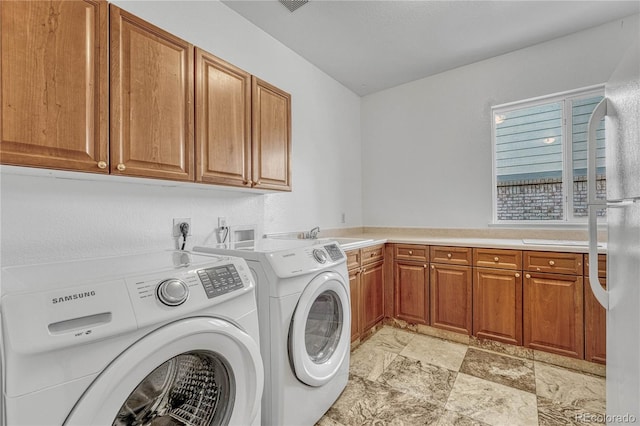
{"x": 222, "y": 222}
{"x": 343, "y": 218}
{"x": 176, "y": 226}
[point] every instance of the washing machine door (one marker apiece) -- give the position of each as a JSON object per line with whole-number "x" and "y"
{"x": 197, "y": 371}
{"x": 319, "y": 331}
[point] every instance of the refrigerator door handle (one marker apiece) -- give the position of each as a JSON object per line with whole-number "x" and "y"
{"x": 601, "y": 295}
{"x": 594, "y": 204}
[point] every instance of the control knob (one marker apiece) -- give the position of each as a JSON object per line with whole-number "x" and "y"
{"x": 319, "y": 255}
{"x": 173, "y": 292}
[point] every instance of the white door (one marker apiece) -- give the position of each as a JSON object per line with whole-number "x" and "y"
{"x": 320, "y": 328}
{"x": 197, "y": 371}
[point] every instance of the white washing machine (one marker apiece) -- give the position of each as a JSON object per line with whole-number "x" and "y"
{"x": 163, "y": 338}
{"x": 305, "y": 321}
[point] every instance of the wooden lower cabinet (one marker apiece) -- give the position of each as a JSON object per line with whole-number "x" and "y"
{"x": 595, "y": 326}
{"x": 354, "y": 285}
{"x": 411, "y": 292}
{"x": 372, "y": 295}
{"x": 497, "y": 305}
{"x": 553, "y": 313}
{"x": 451, "y": 297}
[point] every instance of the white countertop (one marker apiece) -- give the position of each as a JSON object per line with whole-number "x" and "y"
{"x": 570, "y": 246}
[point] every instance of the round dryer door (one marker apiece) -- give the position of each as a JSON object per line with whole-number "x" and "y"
{"x": 195, "y": 372}
{"x": 319, "y": 331}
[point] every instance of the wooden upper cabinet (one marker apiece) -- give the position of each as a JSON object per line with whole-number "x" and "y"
{"x": 223, "y": 122}
{"x": 54, "y": 84}
{"x": 151, "y": 100}
{"x": 271, "y": 136}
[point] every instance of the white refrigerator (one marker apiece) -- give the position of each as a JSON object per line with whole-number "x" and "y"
{"x": 621, "y": 110}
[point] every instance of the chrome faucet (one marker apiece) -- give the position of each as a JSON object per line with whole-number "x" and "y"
{"x": 313, "y": 234}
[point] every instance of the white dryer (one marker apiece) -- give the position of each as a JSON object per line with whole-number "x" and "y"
{"x": 305, "y": 321}
{"x": 163, "y": 338}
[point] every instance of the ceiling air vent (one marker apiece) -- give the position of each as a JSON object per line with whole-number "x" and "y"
{"x": 293, "y": 5}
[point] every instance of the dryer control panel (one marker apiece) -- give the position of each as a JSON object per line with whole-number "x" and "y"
{"x": 305, "y": 260}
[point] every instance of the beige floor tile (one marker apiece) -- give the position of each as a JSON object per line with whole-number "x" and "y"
{"x": 431, "y": 350}
{"x": 451, "y": 418}
{"x": 570, "y": 388}
{"x": 503, "y": 369}
{"x": 370, "y": 362}
{"x": 423, "y": 381}
{"x": 368, "y": 403}
{"x": 492, "y": 403}
{"x": 390, "y": 339}
{"x": 328, "y": 421}
{"x": 551, "y": 413}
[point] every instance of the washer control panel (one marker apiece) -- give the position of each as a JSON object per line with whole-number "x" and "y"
{"x": 187, "y": 288}
{"x": 334, "y": 252}
{"x": 320, "y": 256}
{"x": 327, "y": 252}
{"x": 172, "y": 292}
{"x": 220, "y": 280}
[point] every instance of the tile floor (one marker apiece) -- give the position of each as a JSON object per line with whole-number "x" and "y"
{"x": 402, "y": 378}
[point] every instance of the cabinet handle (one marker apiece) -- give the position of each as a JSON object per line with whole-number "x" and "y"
{"x": 364, "y": 270}
{"x": 121, "y": 167}
{"x": 449, "y": 255}
{"x": 496, "y": 259}
{"x": 246, "y": 182}
{"x": 551, "y": 262}
{"x": 433, "y": 266}
{"x": 410, "y": 252}
{"x": 257, "y": 182}
{"x": 517, "y": 275}
{"x": 102, "y": 164}
{"x": 528, "y": 276}
{"x": 425, "y": 266}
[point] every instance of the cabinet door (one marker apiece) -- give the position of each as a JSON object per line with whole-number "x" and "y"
{"x": 553, "y": 313}
{"x": 372, "y": 287}
{"x": 451, "y": 297}
{"x": 412, "y": 292}
{"x": 595, "y": 326}
{"x": 151, "y": 100}
{"x": 354, "y": 285}
{"x": 497, "y": 305}
{"x": 54, "y": 84}
{"x": 223, "y": 124}
{"x": 271, "y": 136}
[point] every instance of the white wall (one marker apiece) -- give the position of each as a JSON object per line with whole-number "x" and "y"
{"x": 45, "y": 219}
{"x": 427, "y": 144}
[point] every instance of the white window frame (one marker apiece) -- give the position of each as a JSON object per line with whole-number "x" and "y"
{"x": 567, "y": 157}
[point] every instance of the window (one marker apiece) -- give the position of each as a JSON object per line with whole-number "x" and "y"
{"x": 540, "y": 158}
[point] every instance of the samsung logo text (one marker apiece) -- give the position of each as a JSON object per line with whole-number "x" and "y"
{"x": 72, "y": 297}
